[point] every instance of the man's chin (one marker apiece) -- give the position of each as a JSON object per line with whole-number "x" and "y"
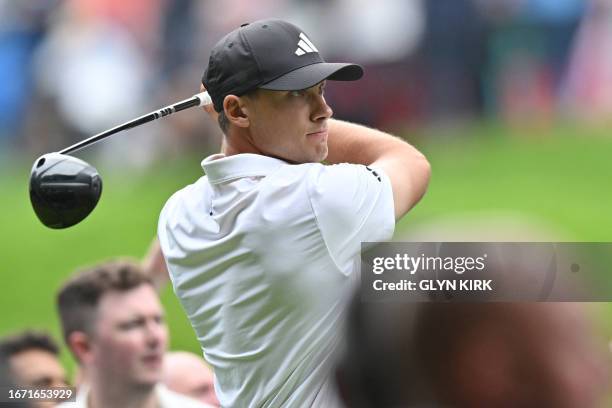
{"x": 323, "y": 154}
{"x": 147, "y": 381}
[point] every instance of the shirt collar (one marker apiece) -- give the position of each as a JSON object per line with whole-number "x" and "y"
{"x": 220, "y": 168}
{"x": 82, "y": 396}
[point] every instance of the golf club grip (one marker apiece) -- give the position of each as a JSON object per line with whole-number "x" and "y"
{"x": 200, "y": 99}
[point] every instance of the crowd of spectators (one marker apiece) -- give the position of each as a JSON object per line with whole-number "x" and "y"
{"x": 78, "y": 67}
{"x": 113, "y": 325}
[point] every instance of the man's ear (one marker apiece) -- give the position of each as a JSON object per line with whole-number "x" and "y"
{"x": 236, "y": 111}
{"x": 80, "y": 345}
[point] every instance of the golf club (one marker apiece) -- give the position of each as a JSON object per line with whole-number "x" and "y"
{"x": 64, "y": 190}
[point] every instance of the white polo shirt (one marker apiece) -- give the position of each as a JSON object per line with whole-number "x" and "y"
{"x": 263, "y": 255}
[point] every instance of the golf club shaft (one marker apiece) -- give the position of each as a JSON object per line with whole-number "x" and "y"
{"x": 200, "y": 99}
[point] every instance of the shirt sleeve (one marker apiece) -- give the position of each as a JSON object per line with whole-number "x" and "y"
{"x": 352, "y": 204}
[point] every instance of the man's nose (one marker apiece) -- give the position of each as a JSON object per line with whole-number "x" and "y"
{"x": 155, "y": 334}
{"x": 321, "y": 109}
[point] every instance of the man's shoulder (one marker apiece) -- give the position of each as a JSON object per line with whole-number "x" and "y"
{"x": 343, "y": 178}
{"x": 330, "y": 187}
{"x": 351, "y": 200}
{"x": 192, "y": 188}
{"x": 189, "y": 192}
{"x": 315, "y": 179}
{"x": 341, "y": 171}
{"x": 319, "y": 171}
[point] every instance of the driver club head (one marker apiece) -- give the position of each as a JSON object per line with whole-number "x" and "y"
{"x": 63, "y": 189}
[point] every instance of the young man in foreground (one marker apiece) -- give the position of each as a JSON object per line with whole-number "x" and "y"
{"x": 263, "y": 251}
{"x": 113, "y": 323}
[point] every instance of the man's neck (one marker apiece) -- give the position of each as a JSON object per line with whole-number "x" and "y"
{"x": 236, "y": 143}
{"x": 121, "y": 395}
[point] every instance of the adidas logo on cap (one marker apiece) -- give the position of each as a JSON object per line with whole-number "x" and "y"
{"x": 305, "y": 46}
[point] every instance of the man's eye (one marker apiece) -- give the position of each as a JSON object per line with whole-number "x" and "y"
{"x": 132, "y": 324}
{"x": 297, "y": 93}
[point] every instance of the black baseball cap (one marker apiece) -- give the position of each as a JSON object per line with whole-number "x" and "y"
{"x": 269, "y": 54}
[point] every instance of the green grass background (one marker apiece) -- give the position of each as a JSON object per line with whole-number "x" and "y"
{"x": 561, "y": 175}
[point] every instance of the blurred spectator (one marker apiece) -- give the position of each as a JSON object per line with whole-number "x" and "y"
{"x": 188, "y": 374}
{"x": 178, "y": 26}
{"x": 97, "y": 66}
{"x": 6, "y": 381}
{"x": 32, "y": 360}
{"x": 93, "y": 67}
{"x": 472, "y": 355}
{"x": 113, "y": 324}
{"x": 528, "y": 48}
{"x": 588, "y": 90}
{"x": 453, "y": 53}
{"x": 22, "y": 27}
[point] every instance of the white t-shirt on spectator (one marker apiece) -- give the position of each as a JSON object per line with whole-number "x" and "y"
{"x": 263, "y": 256}
{"x": 165, "y": 399}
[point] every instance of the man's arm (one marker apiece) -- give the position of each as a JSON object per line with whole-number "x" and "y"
{"x": 154, "y": 266}
{"x": 406, "y": 167}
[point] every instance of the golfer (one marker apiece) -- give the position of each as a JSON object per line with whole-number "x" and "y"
{"x": 263, "y": 250}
